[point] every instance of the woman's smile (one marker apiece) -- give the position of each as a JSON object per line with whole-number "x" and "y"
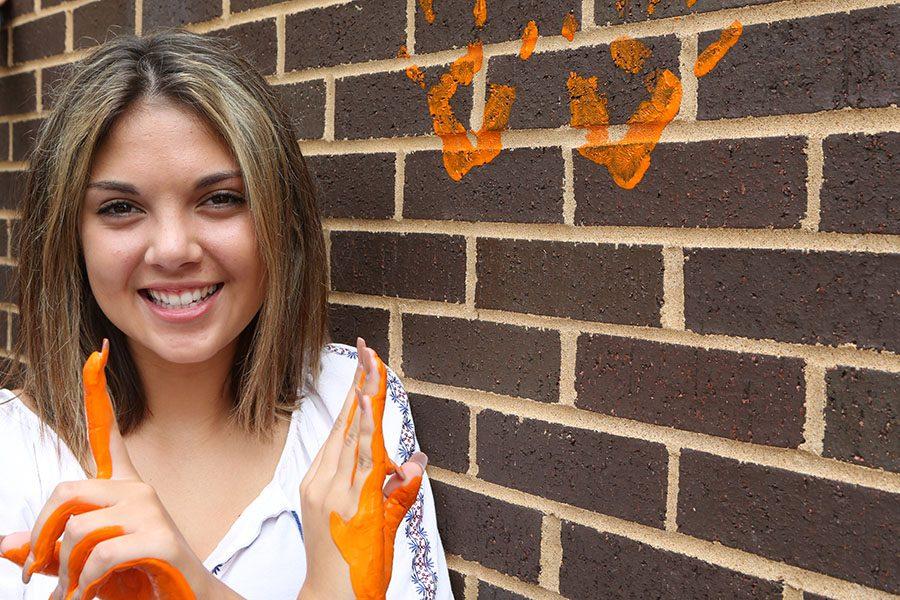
{"x": 179, "y": 305}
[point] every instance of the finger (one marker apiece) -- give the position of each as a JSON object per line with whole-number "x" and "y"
{"x": 364, "y": 464}
{"x": 395, "y": 508}
{"x": 15, "y": 548}
{"x": 81, "y": 534}
{"x": 107, "y": 446}
{"x": 414, "y": 467}
{"x": 350, "y": 450}
{"x": 130, "y": 552}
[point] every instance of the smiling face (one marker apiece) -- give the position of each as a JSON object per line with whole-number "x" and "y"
{"x": 168, "y": 239}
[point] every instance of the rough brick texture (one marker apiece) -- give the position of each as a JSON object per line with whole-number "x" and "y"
{"x": 24, "y": 136}
{"x": 755, "y": 183}
{"x": 523, "y": 185}
{"x": 396, "y": 265}
{"x": 305, "y": 102}
{"x": 847, "y": 531}
{"x": 806, "y": 65}
{"x": 497, "y": 534}
{"x": 344, "y": 194}
{"x": 12, "y": 185}
{"x": 487, "y": 591}
{"x": 861, "y": 417}
{"x": 747, "y": 397}
{"x": 18, "y": 94}
{"x": 602, "y": 565}
{"x": 256, "y": 41}
{"x": 593, "y": 282}
{"x": 640, "y": 10}
{"x": 815, "y": 297}
{"x": 39, "y": 38}
{"x": 159, "y": 14}
{"x": 443, "y": 428}
{"x": 861, "y": 179}
{"x": 99, "y": 21}
{"x": 476, "y": 354}
{"x": 611, "y": 475}
{"x": 349, "y": 322}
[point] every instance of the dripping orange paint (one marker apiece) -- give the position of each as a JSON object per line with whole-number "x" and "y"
{"x": 713, "y": 53}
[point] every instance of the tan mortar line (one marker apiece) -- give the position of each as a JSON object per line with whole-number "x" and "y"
{"x": 789, "y": 459}
{"x": 686, "y": 59}
{"x": 587, "y": 15}
{"x": 39, "y": 101}
{"x": 687, "y": 237}
{"x": 138, "y": 17}
{"x": 475, "y": 571}
{"x": 479, "y": 94}
{"x": 814, "y": 423}
{"x": 226, "y": 9}
{"x": 705, "y": 551}
{"x": 868, "y": 121}
{"x": 473, "y": 441}
{"x": 328, "y": 133}
{"x": 470, "y": 591}
{"x": 399, "y": 183}
{"x": 395, "y": 338}
{"x": 411, "y": 26}
{"x": 70, "y": 31}
{"x": 671, "y": 522}
{"x": 259, "y": 14}
{"x": 672, "y": 310}
{"x": 279, "y": 44}
{"x": 791, "y": 593}
{"x": 833, "y": 356}
{"x": 568, "y": 344}
{"x": 551, "y": 552}
{"x": 815, "y": 160}
{"x": 568, "y": 186}
{"x": 682, "y": 26}
{"x": 471, "y": 272}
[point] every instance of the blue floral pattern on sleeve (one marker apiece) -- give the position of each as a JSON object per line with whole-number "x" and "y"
{"x": 424, "y": 574}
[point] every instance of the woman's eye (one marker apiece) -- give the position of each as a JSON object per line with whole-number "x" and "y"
{"x": 223, "y": 199}
{"x": 117, "y": 208}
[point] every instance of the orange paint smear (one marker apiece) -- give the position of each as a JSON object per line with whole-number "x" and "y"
{"x": 529, "y": 40}
{"x": 413, "y": 71}
{"x": 629, "y": 54}
{"x": 690, "y": 3}
{"x": 366, "y": 541}
{"x": 480, "y": 12}
{"x": 142, "y": 579}
{"x": 403, "y": 52}
{"x": 652, "y": 6}
{"x": 628, "y": 159}
{"x": 713, "y": 53}
{"x": 569, "y": 26}
{"x": 427, "y": 10}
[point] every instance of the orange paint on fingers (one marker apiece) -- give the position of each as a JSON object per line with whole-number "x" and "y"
{"x": 53, "y": 528}
{"x": 132, "y": 579}
{"x": 569, "y": 26}
{"x": 98, "y": 409}
{"x": 713, "y": 53}
{"x": 82, "y": 550}
{"x": 19, "y": 554}
{"x": 629, "y": 54}
{"x": 529, "y": 40}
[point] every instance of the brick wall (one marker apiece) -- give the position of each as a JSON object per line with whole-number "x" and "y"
{"x": 688, "y": 389}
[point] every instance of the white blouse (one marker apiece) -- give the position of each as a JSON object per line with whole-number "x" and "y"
{"x": 262, "y": 556}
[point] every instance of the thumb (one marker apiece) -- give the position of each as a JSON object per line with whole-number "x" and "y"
{"x": 15, "y": 547}
{"x": 107, "y": 446}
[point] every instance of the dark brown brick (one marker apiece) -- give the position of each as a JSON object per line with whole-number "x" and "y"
{"x": 603, "y": 565}
{"x": 612, "y": 475}
{"x": 442, "y": 427}
{"x": 843, "y": 530}
{"x": 7, "y": 274}
{"x": 390, "y": 105}
{"x": 542, "y": 98}
{"x": 522, "y": 185}
{"x": 4, "y": 317}
{"x": 18, "y": 94}
{"x": 39, "y": 38}
{"x": 862, "y": 176}
{"x": 606, "y": 12}
{"x": 349, "y": 322}
{"x": 505, "y": 359}
{"x": 15, "y": 227}
{"x": 4, "y": 237}
{"x": 593, "y": 282}
{"x": 4, "y": 141}
{"x": 359, "y": 186}
{"x": 12, "y": 186}
{"x": 752, "y": 183}
{"x": 24, "y": 136}
{"x": 415, "y": 265}
{"x": 454, "y": 24}
{"x": 96, "y": 22}
{"x": 457, "y": 584}
{"x": 256, "y": 41}
{"x": 805, "y": 65}
{"x": 795, "y": 296}
{"x": 497, "y": 534}
{"x": 52, "y": 79}
{"x": 305, "y": 102}
{"x": 242, "y": 5}
{"x": 15, "y": 326}
{"x": 4, "y": 37}
{"x": 747, "y": 397}
{"x": 808, "y": 596}
{"x": 487, "y": 591}
{"x": 15, "y": 8}
{"x": 356, "y": 31}
{"x": 861, "y": 417}
{"x": 159, "y": 14}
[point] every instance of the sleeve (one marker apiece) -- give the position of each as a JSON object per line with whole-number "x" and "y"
{"x": 420, "y": 567}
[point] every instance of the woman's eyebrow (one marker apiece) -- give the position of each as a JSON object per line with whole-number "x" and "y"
{"x": 127, "y": 188}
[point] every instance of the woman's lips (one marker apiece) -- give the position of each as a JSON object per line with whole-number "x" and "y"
{"x": 181, "y": 314}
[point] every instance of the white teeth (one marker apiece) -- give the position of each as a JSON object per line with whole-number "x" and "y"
{"x": 182, "y": 300}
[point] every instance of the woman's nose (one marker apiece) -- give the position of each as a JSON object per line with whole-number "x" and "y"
{"x": 173, "y": 245}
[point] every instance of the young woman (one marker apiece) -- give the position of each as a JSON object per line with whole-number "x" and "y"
{"x": 169, "y": 210}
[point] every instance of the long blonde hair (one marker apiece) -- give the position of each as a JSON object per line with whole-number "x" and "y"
{"x": 61, "y": 322}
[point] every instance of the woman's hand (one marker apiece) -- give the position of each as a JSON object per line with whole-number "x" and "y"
{"x": 350, "y": 517}
{"x": 118, "y": 539}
